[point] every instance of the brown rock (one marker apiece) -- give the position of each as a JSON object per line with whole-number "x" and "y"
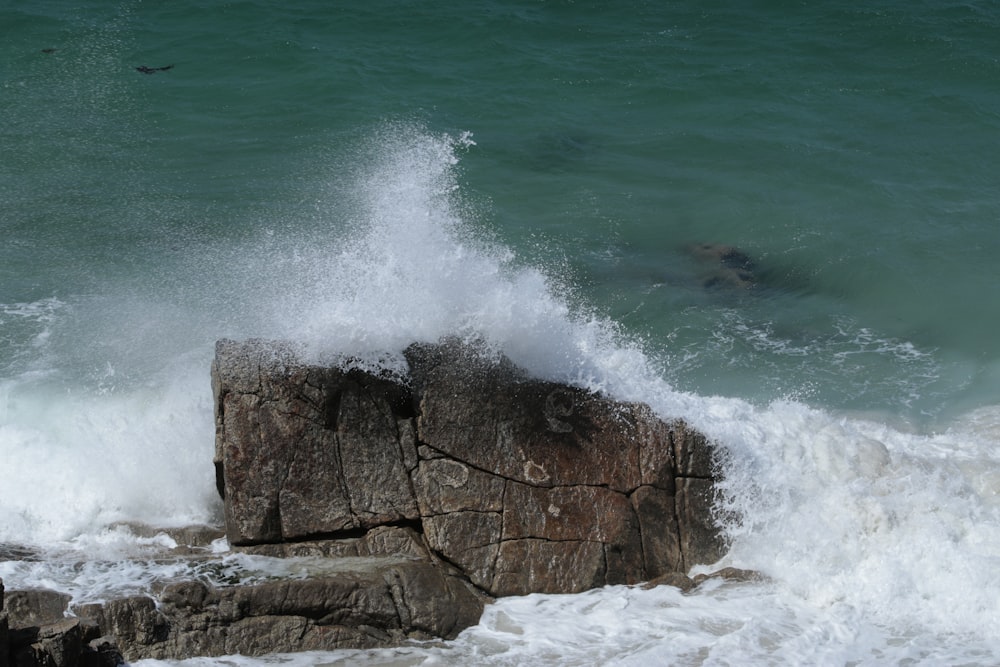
{"x": 468, "y": 540}
{"x": 529, "y": 566}
{"x": 35, "y": 607}
{"x": 675, "y": 579}
{"x": 307, "y": 451}
{"x": 4, "y": 624}
{"x": 578, "y": 513}
{"x": 486, "y": 414}
{"x": 730, "y": 574}
{"x": 382, "y": 541}
{"x": 524, "y": 485}
{"x": 367, "y": 603}
{"x": 700, "y": 539}
{"x": 692, "y": 453}
{"x": 659, "y": 530}
{"x": 445, "y": 485}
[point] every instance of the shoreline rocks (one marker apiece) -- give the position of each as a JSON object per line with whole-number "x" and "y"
{"x": 422, "y": 498}
{"x": 4, "y": 625}
{"x": 366, "y": 603}
{"x": 37, "y": 631}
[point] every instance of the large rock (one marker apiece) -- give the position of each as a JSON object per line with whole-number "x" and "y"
{"x": 415, "y": 498}
{"x": 524, "y": 485}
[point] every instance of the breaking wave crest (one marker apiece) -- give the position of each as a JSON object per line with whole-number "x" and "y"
{"x": 877, "y": 542}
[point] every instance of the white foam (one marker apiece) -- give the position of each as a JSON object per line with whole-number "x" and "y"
{"x": 78, "y": 463}
{"x": 854, "y": 513}
{"x": 413, "y": 270}
{"x": 116, "y": 562}
{"x": 34, "y": 320}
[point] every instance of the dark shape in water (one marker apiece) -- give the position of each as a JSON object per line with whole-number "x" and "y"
{"x": 153, "y": 70}
{"x": 17, "y": 552}
{"x": 49, "y": 50}
{"x": 731, "y": 267}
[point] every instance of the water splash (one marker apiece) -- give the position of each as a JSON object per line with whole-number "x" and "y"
{"x": 880, "y": 543}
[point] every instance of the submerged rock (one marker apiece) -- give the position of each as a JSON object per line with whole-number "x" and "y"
{"x": 153, "y": 70}
{"x": 730, "y": 574}
{"x": 686, "y": 583}
{"x": 17, "y": 552}
{"x": 725, "y": 266}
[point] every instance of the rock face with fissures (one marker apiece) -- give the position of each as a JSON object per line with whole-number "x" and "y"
{"x": 520, "y": 485}
{"x": 414, "y": 500}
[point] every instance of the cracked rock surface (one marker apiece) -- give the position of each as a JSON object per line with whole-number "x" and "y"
{"x": 420, "y": 499}
{"x": 368, "y": 603}
{"x": 522, "y": 485}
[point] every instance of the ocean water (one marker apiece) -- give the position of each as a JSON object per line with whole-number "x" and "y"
{"x": 537, "y": 174}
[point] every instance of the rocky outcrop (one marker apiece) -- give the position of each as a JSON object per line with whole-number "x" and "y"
{"x": 523, "y": 485}
{"x": 378, "y": 590}
{"x": 365, "y": 603}
{"x": 42, "y": 633}
{"x": 418, "y": 498}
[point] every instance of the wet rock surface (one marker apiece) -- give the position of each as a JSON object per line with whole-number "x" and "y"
{"x": 367, "y": 603}
{"x": 416, "y": 502}
{"x": 37, "y": 629}
{"x": 523, "y": 485}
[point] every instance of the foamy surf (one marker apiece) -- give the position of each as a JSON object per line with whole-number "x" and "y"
{"x": 880, "y": 545}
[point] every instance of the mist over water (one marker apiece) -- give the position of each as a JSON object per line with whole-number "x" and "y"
{"x": 417, "y": 267}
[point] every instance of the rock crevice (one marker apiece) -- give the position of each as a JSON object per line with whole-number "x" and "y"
{"x": 422, "y": 499}
{"x": 509, "y": 477}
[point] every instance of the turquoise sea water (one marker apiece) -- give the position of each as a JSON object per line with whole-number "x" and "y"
{"x": 850, "y": 152}
{"x": 537, "y": 173}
